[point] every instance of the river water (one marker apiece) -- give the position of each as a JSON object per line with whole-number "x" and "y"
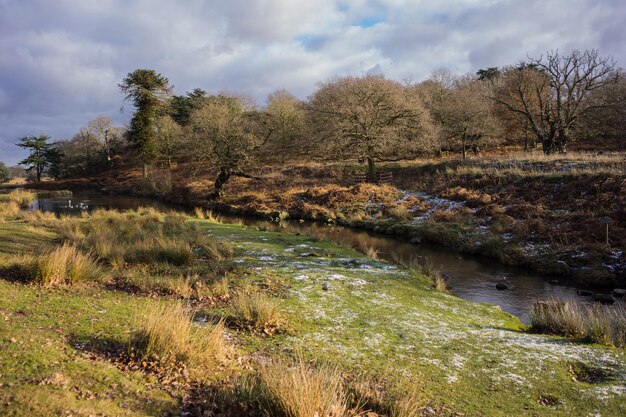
{"x": 470, "y": 277}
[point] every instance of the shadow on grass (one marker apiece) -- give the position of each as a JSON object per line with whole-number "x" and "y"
{"x": 22, "y": 274}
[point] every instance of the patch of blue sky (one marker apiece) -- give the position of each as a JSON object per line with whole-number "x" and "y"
{"x": 369, "y": 22}
{"x": 310, "y": 41}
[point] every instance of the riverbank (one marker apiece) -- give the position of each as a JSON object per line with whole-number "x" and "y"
{"x": 379, "y": 326}
{"x": 546, "y": 214}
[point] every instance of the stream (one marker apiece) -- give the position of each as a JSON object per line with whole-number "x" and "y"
{"x": 470, "y": 277}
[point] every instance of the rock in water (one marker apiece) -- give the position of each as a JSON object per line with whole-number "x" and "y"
{"x": 585, "y": 293}
{"x": 501, "y": 286}
{"x": 619, "y": 293}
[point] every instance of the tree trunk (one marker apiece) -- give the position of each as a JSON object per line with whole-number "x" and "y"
{"x": 371, "y": 168}
{"x": 220, "y": 181}
{"x": 144, "y": 170}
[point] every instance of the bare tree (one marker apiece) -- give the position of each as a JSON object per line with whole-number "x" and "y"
{"x": 463, "y": 111}
{"x": 170, "y": 141}
{"x": 285, "y": 117}
{"x": 105, "y": 132}
{"x": 228, "y": 135}
{"x": 369, "y": 118}
{"x": 552, "y": 93}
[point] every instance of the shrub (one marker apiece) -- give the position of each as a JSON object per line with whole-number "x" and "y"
{"x": 67, "y": 265}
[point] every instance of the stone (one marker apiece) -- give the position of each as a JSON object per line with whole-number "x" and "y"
{"x": 585, "y": 293}
{"x": 501, "y": 286}
{"x": 325, "y": 286}
{"x": 416, "y": 240}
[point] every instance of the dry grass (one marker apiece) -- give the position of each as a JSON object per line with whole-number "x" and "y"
{"x": 571, "y": 318}
{"x": 66, "y": 265}
{"x": 400, "y": 213}
{"x": 426, "y": 269}
{"x": 9, "y": 210}
{"x": 39, "y": 218}
{"x": 143, "y": 237}
{"x": 23, "y": 198}
{"x": 296, "y": 389}
{"x": 472, "y": 198}
{"x": 256, "y": 311}
{"x": 167, "y": 332}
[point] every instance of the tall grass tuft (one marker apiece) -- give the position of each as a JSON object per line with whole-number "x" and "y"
{"x": 256, "y": 311}
{"x": 143, "y": 237}
{"x": 66, "y": 265}
{"x": 601, "y": 324}
{"x": 39, "y": 218}
{"x": 299, "y": 390}
{"x": 23, "y": 198}
{"x": 167, "y": 332}
{"x": 8, "y": 210}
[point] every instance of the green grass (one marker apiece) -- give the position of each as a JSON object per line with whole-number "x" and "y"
{"x": 361, "y": 316}
{"x": 368, "y": 315}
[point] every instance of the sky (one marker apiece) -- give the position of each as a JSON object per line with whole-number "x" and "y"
{"x": 61, "y": 61}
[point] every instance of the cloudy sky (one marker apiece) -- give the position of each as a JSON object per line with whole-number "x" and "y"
{"x": 61, "y": 60}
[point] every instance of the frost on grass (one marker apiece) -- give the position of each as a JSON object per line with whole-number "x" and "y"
{"x": 375, "y": 313}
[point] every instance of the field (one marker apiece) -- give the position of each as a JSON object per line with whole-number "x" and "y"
{"x": 218, "y": 330}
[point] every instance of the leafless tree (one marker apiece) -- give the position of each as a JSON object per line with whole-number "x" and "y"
{"x": 228, "y": 134}
{"x": 284, "y": 116}
{"x": 461, "y": 107}
{"x": 552, "y": 93}
{"x": 369, "y": 118}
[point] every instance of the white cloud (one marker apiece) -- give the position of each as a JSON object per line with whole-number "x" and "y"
{"x": 61, "y": 61}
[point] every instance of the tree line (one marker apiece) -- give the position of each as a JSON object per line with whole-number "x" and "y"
{"x": 547, "y": 102}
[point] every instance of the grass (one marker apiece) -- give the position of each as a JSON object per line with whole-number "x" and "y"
{"x": 600, "y": 324}
{"x": 9, "y": 210}
{"x": 167, "y": 332}
{"x": 143, "y": 237}
{"x": 66, "y": 265}
{"x": 296, "y": 389}
{"x": 256, "y": 311}
{"x": 375, "y": 317}
{"x": 23, "y": 198}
